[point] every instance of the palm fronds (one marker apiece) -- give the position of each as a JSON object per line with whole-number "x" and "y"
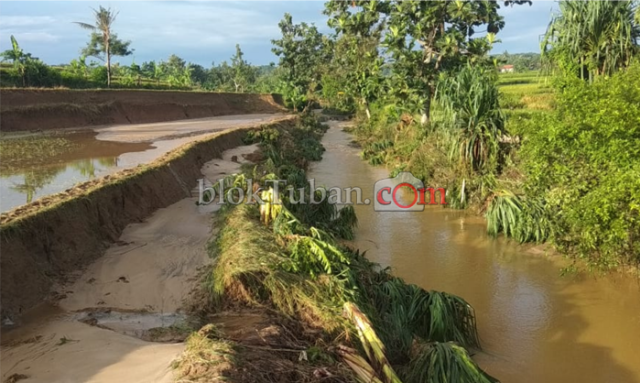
{"x": 372, "y": 345}
{"x": 470, "y": 101}
{"x": 430, "y": 315}
{"x": 451, "y": 318}
{"x": 591, "y": 38}
{"x": 523, "y": 219}
{"x": 315, "y": 254}
{"x": 445, "y": 362}
{"x": 288, "y": 258}
{"x": 363, "y": 370}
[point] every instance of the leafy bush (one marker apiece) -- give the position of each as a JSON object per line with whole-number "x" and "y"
{"x": 585, "y": 159}
{"x": 99, "y": 76}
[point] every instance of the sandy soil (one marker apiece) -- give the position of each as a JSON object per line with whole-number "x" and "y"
{"x": 152, "y": 269}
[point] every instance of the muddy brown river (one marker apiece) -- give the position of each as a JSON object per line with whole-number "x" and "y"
{"x": 535, "y": 325}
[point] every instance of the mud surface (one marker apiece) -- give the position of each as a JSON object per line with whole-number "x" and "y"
{"x": 134, "y": 291}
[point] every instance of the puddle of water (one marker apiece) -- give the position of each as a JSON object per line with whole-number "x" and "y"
{"x": 76, "y": 157}
{"x": 134, "y": 324}
{"x": 535, "y": 325}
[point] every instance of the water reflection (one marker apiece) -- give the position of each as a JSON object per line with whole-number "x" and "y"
{"x": 535, "y": 325}
{"x": 27, "y": 176}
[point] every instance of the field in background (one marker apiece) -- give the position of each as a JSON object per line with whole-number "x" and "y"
{"x": 525, "y": 94}
{"x": 9, "y": 80}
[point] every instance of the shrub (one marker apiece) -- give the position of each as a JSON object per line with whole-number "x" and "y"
{"x": 585, "y": 159}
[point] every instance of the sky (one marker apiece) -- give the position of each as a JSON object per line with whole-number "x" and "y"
{"x": 203, "y": 32}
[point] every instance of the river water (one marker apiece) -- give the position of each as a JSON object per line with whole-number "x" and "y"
{"x": 535, "y": 325}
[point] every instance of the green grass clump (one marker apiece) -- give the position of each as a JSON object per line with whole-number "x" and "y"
{"x": 19, "y": 152}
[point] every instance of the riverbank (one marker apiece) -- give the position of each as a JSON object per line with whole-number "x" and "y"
{"x": 535, "y": 324}
{"x": 329, "y": 307}
{"x": 125, "y": 312}
{"x": 47, "y": 239}
{"x": 49, "y": 109}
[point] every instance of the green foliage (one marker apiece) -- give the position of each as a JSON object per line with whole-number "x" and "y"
{"x": 28, "y": 69}
{"x": 445, "y": 362}
{"x": 354, "y": 79}
{"x": 302, "y": 52}
{"x": 313, "y": 254}
{"x": 100, "y": 76}
{"x": 103, "y": 43}
{"x": 426, "y": 38}
{"x": 296, "y": 267}
{"x": 243, "y": 74}
{"x": 591, "y": 38}
{"x": 526, "y": 220}
{"x": 583, "y": 159}
{"x": 522, "y": 62}
{"x": 470, "y": 101}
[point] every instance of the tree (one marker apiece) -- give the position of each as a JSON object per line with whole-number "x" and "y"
{"x": 32, "y": 71}
{"x": 521, "y": 61}
{"x": 103, "y": 42}
{"x": 220, "y": 77}
{"x": 243, "y": 74}
{"x": 591, "y": 38}
{"x": 301, "y": 52}
{"x": 79, "y": 67}
{"x": 152, "y": 71}
{"x": 176, "y": 71}
{"x": 426, "y": 38}
{"x": 423, "y": 38}
{"x": 18, "y": 58}
{"x": 356, "y": 63}
{"x": 199, "y": 75}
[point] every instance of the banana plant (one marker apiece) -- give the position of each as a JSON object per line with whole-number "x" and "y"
{"x": 18, "y": 58}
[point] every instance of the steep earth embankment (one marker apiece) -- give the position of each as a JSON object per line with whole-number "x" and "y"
{"x": 53, "y": 236}
{"x": 47, "y": 109}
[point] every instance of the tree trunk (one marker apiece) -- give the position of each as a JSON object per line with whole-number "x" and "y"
{"x": 426, "y": 113}
{"x": 108, "y": 53}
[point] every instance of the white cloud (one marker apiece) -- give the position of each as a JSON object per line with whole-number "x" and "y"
{"x": 38, "y": 37}
{"x": 25, "y": 21}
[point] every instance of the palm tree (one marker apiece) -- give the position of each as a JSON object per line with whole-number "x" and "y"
{"x": 595, "y": 37}
{"x": 105, "y": 18}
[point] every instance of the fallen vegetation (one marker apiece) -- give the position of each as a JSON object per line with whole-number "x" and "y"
{"x": 342, "y": 310}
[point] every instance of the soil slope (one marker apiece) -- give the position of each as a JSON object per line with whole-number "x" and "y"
{"x": 40, "y": 109}
{"x": 149, "y": 271}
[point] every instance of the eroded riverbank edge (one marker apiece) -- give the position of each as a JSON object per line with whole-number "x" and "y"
{"x": 49, "y": 109}
{"x": 46, "y": 240}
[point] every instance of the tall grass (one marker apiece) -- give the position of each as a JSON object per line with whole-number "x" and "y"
{"x": 470, "y": 100}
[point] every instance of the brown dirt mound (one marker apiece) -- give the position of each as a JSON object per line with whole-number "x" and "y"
{"x": 40, "y": 109}
{"x": 254, "y": 346}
